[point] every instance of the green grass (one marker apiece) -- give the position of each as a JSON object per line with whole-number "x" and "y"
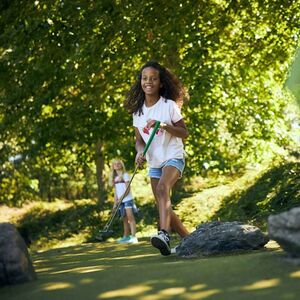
{"x": 110, "y": 271}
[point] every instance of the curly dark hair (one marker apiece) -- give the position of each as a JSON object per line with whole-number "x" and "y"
{"x": 171, "y": 89}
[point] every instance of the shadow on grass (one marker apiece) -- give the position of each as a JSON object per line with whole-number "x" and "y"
{"x": 109, "y": 271}
{"x": 275, "y": 191}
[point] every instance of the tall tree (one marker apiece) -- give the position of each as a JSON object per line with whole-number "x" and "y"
{"x": 65, "y": 67}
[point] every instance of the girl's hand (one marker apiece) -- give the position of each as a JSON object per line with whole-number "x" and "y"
{"x": 150, "y": 123}
{"x": 139, "y": 158}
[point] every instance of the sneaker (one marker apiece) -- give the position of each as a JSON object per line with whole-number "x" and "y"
{"x": 133, "y": 240}
{"x": 123, "y": 240}
{"x": 161, "y": 241}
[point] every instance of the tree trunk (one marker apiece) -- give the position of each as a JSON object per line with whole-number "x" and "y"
{"x": 85, "y": 190}
{"x": 99, "y": 160}
{"x": 43, "y": 186}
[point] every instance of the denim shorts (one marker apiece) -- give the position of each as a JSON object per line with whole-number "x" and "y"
{"x": 178, "y": 163}
{"x": 127, "y": 204}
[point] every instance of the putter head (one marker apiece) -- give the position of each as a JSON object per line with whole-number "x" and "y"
{"x": 103, "y": 235}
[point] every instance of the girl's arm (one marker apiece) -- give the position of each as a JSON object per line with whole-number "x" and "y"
{"x": 126, "y": 183}
{"x": 116, "y": 200}
{"x": 126, "y": 178}
{"x": 139, "y": 146}
{"x": 123, "y": 196}
{"x": 177, "y": 129}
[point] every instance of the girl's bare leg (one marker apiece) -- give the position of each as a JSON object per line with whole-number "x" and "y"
{"x": 126, "y": 226}
{"x": 161, "y": 189}
{"x": 131, "y": 220}
{"x": 177, "y": 225}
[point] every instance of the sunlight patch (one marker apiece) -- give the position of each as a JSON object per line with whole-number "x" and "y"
{"x": 40, "y": 270}
{"x": 172, "y": 291}
{"x": 262, "y": 284}
{"x": 57, "y": 286}
{"x": 132, "y": 257}
{"x": 272, "y": 245}
{"x": 197, "y": 287}
{"x": 201, "y": 295}
{"x": 86, "y": 281}
{"x": 126, "y": 292}
{"x": 295, "y": 274}
{"x": 82, "y": 270}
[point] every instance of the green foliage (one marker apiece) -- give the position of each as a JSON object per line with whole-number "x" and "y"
{"x": 48, "y": 224}
{"x": 65, "y": 68}
{"x": 238, "y": 82}
{"x": 275, "y": 191}
{"x": 293, "y": 81}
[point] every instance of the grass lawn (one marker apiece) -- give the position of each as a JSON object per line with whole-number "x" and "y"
{"x": 111, "y": 271}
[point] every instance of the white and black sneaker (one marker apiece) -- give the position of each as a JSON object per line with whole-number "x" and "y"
{"x": 161, "y": 241}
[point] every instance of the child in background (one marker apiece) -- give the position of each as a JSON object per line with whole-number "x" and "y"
{"x": 119, "y": 179}
{"x": 157, "y": 96}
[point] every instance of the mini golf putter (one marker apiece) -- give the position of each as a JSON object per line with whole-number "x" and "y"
{"x": 106, "y": 232}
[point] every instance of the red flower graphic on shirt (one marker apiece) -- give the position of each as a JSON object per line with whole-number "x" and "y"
{"x": 158, "y": 131}
{"x": 146, "y": 130}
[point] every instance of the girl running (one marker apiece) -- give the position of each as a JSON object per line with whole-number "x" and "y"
{"x": 157, "y": 95}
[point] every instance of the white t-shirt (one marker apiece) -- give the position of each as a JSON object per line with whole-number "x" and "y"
{"x": 164, "y": 145}
{"x": 120, "y": 187}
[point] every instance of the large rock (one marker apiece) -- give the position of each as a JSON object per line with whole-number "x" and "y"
{"x": 15, "y": 262}
{"x": 221, "y": 237}
{"x": 284, "y": 228}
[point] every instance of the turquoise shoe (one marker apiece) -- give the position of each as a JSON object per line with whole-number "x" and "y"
{"x": 123, "y": 240}
{"x": 133, "y": 240}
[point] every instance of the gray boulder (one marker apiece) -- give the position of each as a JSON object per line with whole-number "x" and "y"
{"x": 284, "y": 228}
{"x": 15, "y": 262}
{"x": 221, "y": 237}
